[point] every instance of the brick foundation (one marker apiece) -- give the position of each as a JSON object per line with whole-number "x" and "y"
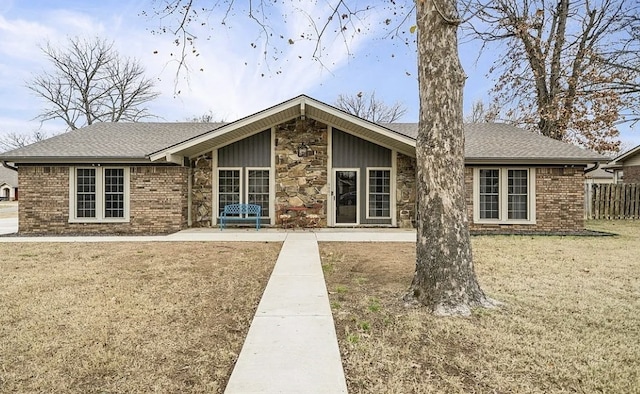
{"x": 158, "y": 202}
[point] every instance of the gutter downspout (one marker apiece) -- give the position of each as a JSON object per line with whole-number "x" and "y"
{"x": 592, "y": 168}
{"x": 5, "y": 165}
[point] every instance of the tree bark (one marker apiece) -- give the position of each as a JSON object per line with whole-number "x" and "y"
{"x": 444, "y": 278}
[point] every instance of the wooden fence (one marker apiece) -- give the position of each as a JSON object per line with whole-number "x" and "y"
{"x": 614, "y": 201}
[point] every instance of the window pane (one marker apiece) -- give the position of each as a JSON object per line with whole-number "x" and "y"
{"x": 489, "y": 194}
{"x": 379, "y": 193}
{"x": 258, "y": 184}
{"x": 518, "y": 194}
{"x": 114, "y": 193}
{"x": 86, "y": 192}
{"x": 228, "y": 188}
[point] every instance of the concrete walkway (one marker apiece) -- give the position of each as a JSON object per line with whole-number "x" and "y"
{"x": 291, "y": 346}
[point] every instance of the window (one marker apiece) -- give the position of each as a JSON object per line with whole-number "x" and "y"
{"x": 489, "y": 194}
{"x": 258, "y": 189}
{"x": 518, "y": 206}
{"x": 379, "y": 193}
{"x": 86, "y": 193}
{"x": 238, "y": 186}
{"x": 98, "y": 194}
{"x": 228, "y": 188}
{"x": 503, "y": 195}
{"x": 114, "y": 193}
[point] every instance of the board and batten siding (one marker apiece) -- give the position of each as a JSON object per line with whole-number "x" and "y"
{"x": 253, "y": 151}
{"x": 349, "y": 151}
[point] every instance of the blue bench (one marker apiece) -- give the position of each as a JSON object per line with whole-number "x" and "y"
{"x": 241, "y": 212}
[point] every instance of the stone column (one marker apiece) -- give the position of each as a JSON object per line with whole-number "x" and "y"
{"x": 202, "y": 191}
{"x": 301, "y": 182}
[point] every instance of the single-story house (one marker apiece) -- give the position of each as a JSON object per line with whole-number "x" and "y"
{"x": 8, "y": 184}
{"x": 300, "y": 157}
{"x": 627, "y": 164}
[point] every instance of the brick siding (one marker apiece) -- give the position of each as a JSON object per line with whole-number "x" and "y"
{"x": 631, "y": 174}
{"x": 158, "y": 202}
{"x": 559, "y": 202}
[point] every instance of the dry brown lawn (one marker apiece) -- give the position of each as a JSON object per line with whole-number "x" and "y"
{"x": 570, "y": 323}
{"x": 126, "y": 317}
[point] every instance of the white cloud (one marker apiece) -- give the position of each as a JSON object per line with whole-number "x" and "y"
{"x": 236, "y": 80}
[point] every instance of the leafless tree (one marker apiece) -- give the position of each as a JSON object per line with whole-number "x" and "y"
{"x": 14, "y": 140}
{"x": 366, "y": 106}
{"x": 444, "y": 280}
{"x": 624, "y": 58}
{"x": 90, "y": 82}
{"x": 551, "y": 75}
{"x": 482, "y": 113}
{"x": 207, "y": 117}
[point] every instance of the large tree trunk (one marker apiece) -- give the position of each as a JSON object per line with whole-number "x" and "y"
{"x": 444, "y": 279}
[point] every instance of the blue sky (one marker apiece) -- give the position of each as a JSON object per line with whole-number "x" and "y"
{"x": 231, "y": 83}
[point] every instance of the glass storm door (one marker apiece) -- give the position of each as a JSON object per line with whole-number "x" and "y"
{"x": 346, "y": 197}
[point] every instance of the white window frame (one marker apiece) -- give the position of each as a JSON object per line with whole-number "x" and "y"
{"x": 368, "y": 216}
{"x": 503, "y": 198}
{"x": 246, "y": 179}
{"x": 217, "y": 186}
{"x": 100, "y": 200}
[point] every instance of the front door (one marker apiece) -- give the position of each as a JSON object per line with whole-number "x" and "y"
{"x": 346, "y": 197}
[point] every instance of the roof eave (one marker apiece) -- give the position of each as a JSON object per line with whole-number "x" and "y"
{"x": 75, "y": 159}
{"x": 531, "y": 161}
{"x": 618, "y": 161}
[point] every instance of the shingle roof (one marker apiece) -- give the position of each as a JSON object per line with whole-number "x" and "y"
{"x": 483, "y": 142}
{"x": 112, "y": 140}
{"x": 8, "y": 176}
{"x": 500, "y": 141}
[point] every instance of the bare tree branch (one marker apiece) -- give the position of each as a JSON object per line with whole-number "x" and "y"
{"x": 90, "y": 82}
{"x": 482, "y": 113}
{"x": 366, "y": 106}
{"x": 553, "y": 73}
{"x": 13, "y": 140}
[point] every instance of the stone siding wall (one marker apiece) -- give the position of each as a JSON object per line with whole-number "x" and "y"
{"x": 406, "y": 191}
{"x": 631, "y": 174}
{"x": 559, "y": 202}
{"x": 158, "y": 202}
{"x": 202, "y": 192}
{"x": 302, "y": 181}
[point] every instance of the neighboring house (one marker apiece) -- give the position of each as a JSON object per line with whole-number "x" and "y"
{"x": 627, "y": 164}
{"x": 600, "y": 176}
{"x": 299, "y": 157}
{"x": 8, "y": 184}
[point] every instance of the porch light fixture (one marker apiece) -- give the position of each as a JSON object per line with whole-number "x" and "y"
{"x": 303, "y": 150}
